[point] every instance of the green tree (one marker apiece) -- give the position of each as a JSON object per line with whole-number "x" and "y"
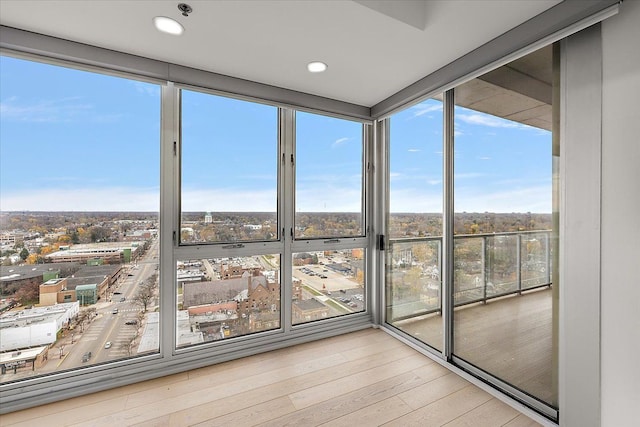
{"x": 24, "y": 253}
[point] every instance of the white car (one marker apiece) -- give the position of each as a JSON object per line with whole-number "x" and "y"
{"x": 108, "y": 344}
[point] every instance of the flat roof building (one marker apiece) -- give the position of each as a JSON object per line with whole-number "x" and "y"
{"x": 34, "y": 327}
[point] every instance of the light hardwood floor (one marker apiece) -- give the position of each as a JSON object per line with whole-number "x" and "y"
{"x": 509, "y": 337}
{"x": 365, "y": 378}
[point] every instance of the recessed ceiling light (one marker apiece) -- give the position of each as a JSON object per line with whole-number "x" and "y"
{"x": 316, "y": 67}
{"x": 168, "y": 25}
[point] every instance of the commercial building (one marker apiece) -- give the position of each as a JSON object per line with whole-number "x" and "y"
{"x": 34, "y": 327}
{"x": 107, "y": 253}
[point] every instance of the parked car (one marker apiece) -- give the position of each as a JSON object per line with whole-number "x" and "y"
{"x": 86, "y": 357}
{"x": 131, "y": 322}
{"x": 115, "y": 311}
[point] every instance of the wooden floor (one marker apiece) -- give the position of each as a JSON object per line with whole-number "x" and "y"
{"x": 509, "y": 337}
{"x": 365, "y": 378}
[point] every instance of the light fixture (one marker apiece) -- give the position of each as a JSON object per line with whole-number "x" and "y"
{"x": 168, "y": 25}
{"x": 316, "y": 67}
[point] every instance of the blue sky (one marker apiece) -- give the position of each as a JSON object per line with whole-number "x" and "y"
{"x": 500, "y": 165}
{"x": 71, "y": 140}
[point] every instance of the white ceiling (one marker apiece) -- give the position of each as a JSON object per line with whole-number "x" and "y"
{"x": 373, "y": 48}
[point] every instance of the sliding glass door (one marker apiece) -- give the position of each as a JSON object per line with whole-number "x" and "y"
{"x": 414, "y": 223}
{"x": 495, "y": 312}
{"x": 503, "y": 227}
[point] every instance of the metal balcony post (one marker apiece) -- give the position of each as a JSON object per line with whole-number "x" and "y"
{"x": 547, "y": 244}
{"x": 485, "y": 272}
{"x": 519, "y": 262}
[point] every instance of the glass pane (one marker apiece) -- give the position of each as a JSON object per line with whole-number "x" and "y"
{"x": 328, "y": 284}
{"x": 536, "y": 259}
{"x": 79, "y": 191}
{"x": 413, "y": 265}
{"x": 503, "y": 317}
{"x": 227, "y": 297}
{"x": 229, "y": 171}
{"x": 468, "y": 270}
{"x": 329, "y": 176}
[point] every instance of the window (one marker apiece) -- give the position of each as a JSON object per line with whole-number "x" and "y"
{"x": 500, "y": 267}
{"x": 329, "y": 198}
{"x": 328, "y": 284}
{"x": 329, "y": 251}
{"x": 503, "y": 225}
{"x": 79, "y": 190}
{"x": 414, "y": 222}
{"x": 229, "y": 170}
{"x": 229, "y": 194}
{"x": 227, "y": 297}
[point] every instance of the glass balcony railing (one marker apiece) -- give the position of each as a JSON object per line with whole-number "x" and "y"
{"x": 486, "y": 266}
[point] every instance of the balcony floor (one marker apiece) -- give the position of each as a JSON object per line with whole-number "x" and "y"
{"x": 509, "y": 337}
{"x": 365, "y": 378}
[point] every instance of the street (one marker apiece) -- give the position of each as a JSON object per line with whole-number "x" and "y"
{"x": 107, "y": 325}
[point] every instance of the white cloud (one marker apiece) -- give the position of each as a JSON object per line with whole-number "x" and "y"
{"x": 339, "y": 142}
{"x": 82, "y": 199}
{"x": 424, "y": 108}
{"x": 415, "y": 200}
{"x": 229, "y": 200}
{"x": 414, "y": 150}
{"x": 490, "y": 121}
{"x": 525, "y": 199}
{"x": 147, "y": 89}
{"x": 469, "y": 175}
{"x": 44, "y": 111}
{"x": 328, "y": 199}
{"x": 484, "y": 158}
{"x": 418, "y": 179}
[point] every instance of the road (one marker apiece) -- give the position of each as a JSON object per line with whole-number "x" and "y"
{"x": 109, "y": 326}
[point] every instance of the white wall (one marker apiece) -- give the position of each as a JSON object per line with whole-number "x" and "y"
{"x": 620, "y": 247}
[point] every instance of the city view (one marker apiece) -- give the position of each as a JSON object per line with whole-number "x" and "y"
{"x": 82, "y": 288}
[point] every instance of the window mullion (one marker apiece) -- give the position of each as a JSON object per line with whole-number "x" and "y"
{"x": 169, "y": 202}
{"x": 286, "y": 205}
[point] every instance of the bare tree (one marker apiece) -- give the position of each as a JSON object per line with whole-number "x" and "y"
{"x": 128, "y": 345}
{"x": 85, "y": 316}
{"x": 146, "y": 292}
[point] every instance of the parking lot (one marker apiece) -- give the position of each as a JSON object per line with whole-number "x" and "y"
{"x": 333, "y": 284}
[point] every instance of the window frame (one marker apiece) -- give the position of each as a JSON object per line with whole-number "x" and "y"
{"x": 171, "y": 359}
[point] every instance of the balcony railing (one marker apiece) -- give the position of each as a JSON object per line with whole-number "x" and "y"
{"x": 486, "y": 266}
